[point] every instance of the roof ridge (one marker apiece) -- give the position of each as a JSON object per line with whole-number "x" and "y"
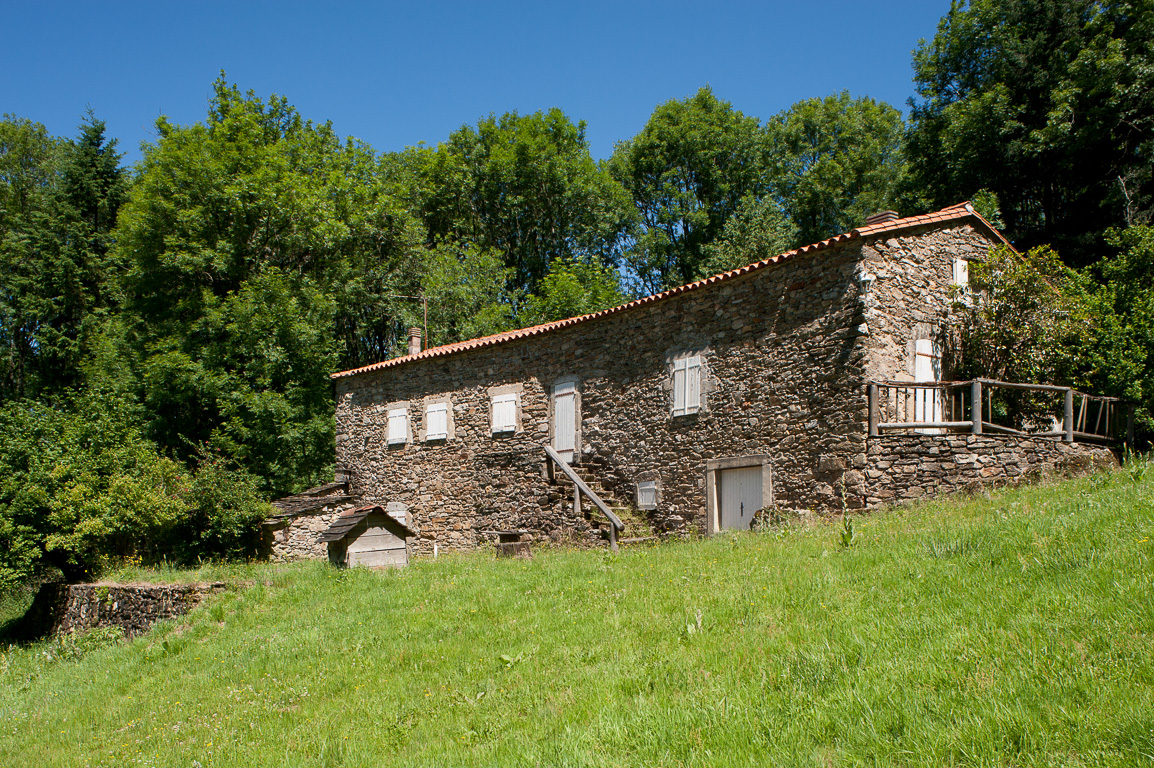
{"x": 951, "y": 213}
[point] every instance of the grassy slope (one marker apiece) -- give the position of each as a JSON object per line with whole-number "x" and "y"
{"x": 1012, "y": 630}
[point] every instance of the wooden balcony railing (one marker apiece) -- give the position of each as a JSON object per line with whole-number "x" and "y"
{"x": 977, "y": 406}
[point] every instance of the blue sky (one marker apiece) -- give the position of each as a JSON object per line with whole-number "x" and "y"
{"x": 395, "y": 74}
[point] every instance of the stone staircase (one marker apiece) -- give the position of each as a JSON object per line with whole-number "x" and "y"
{"x": 637, "y": 527}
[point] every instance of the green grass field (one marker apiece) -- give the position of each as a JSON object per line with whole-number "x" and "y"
{"x": 1014, "y": 629}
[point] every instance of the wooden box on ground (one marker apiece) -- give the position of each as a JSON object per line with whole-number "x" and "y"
{"x": 367, "y": 536}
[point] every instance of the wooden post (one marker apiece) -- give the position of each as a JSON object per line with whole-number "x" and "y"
{"x": 612, "y": 536}
{"x": 873, "y": 405}
{"x": 976, "y": 407}
{"x": 1068, "y": 416}
{"x": 576, "y": 501}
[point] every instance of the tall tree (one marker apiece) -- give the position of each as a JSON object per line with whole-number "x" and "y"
{"x": 58, "y": 204}
{"x": 834, "y": 161}
{"x": 758, "y": 230}
{"x": 687, "y": 171}
{"x": 526, "y": 187}
{"x": 1049, "y": 104}
{"x": 245, "y": 239}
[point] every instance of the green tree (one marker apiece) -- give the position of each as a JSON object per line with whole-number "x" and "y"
{"x": 835, "y": 161}
{"x": 244, "y": 241}
{"x": 524, "y": 186}
{"x": 1125, "y": 308}
{"x": 687, "y": 172}
{"x": 58, "y": 203}
{"x": 81, "y": 485}
{"x": 573, "y": 288}
{"x": 1049, "y": 104}
{"x": 758, "y": 230}
{"x": 1031, "y": 322}
{"x": 1035, "y": 323}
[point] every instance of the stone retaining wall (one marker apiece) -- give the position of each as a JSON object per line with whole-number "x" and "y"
{"x": 905, "y": 467}
{"x": 132, "y": 607}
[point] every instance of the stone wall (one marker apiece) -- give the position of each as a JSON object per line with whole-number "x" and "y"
{"x": 291, "y": 538}
{"x": 782, "y": 378}
{"x": 906, "y": 467}
{"x": 292, "y": 533}
{"x": 132, "y": 607}
{"x": 913, "y": 296}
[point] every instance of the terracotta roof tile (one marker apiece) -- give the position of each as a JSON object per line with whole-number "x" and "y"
{"x": 953, "y": 213}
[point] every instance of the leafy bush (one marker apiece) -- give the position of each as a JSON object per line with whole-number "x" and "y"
{"x": 80, "y": 487}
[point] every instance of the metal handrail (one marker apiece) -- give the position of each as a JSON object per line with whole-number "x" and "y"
{"x": 615, "y": 524}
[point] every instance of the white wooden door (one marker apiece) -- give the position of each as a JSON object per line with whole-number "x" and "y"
{"x": 927, "y": 367}
{"x": 740, "y": 495}
{"x": 565, "y": 420}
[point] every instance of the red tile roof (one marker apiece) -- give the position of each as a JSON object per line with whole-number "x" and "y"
{"x": 954, "y": 213}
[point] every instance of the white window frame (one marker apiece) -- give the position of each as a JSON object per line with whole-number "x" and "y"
{"x": 397, "y": 429}
{"x": 509, "y": 422}
{"x": 431, "y": 410}
{"x": 962, "y": 280}
{"x": 647, "y": 494}
{"x": 687, "y": 385}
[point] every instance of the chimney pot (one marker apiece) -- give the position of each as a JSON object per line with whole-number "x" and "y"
{"x": 881, "y": 217}
{"x": 414, "y": 341}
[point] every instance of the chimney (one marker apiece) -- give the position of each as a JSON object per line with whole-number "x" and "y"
{"x": 881, "y": 217}
{"x": 414, "y": 341}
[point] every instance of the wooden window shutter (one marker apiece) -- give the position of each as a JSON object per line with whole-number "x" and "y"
{"x": 679, "y": 377}
{"x": 693, "y": 384}
{"x": 504, "y": 413}
{"x": 686, "y": 385}
{"x": 437, "y": 421}
{"x": 398, "y": 426}
{"x": 961, "y": 272}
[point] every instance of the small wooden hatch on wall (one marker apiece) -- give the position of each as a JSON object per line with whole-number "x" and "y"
{"x": 371, "y": 536}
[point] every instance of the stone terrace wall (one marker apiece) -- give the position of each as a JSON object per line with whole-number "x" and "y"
{"x": 783, "y": 378}
{"x": 133, "y": 608}
{"x": 906, "y": 467}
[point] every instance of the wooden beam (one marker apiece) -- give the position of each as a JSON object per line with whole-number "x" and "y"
{"x": 976, "y": 408}
{"x": 873, "y": 405}
{"x": 1069, "y": 416}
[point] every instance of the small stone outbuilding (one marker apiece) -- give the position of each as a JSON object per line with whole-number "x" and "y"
{"x": 293, "y": 532}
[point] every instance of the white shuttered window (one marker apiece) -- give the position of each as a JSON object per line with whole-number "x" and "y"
{"x": 961, "y": 272}
{"x": 962, "y": 280}
{"x": 504, "y": 413}
{"x": 686, "y": 385}
{"x": 398, "y": 426}
{"x": 437, "y": 421}
{"x": 647, "y": 494}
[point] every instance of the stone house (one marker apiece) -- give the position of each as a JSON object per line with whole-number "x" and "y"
{"x": 695, "y": 407}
